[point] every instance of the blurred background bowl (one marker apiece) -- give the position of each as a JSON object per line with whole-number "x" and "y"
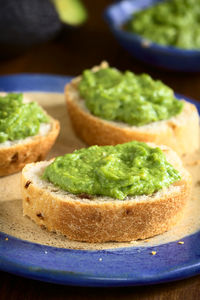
{"x": 168, "y": 57}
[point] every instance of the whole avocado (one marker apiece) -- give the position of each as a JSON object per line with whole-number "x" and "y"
{"x": 24, "y": 23}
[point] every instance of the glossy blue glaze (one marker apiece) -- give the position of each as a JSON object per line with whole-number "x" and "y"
{"x": 171, "y": 58}
{"x": 114, "y": 267}
{"x": 33, "y": 82}
{"x": 119, "y": 267}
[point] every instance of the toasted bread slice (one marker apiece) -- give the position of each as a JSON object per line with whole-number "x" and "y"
{"x": 99, "y": 218}
{"x": 14, "y": 155}
{"x": 180, "y": 132}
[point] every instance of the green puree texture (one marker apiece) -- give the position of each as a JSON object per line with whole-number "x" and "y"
{"x": 170, "y": 23}
{"x": 133, "y": 99}
{"x": 133, "y": 168}
{"x": 19, "y": 120}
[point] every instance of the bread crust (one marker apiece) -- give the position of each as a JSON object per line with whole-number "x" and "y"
{"x": 181, "y": 132}
{"x": 15, "y": 157}
{"x": 94, "y": 220}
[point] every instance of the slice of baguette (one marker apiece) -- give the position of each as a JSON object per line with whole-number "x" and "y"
{"x": 181, "y": 132}
{"x": 99, "y": 218}
{"x": 16, "y": 154}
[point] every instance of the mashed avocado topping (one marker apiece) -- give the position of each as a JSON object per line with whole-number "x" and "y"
{"x": 118, "y": 171}
{"x": 19, "y": 120}
{"x": 170, "y": 23}
{"x": 133, "y": 99}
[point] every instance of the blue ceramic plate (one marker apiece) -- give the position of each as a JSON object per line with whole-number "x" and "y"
{"x": 161, "y": 56}
{"x": 114, "y": 267}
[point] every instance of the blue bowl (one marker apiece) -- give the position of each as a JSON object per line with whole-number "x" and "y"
{"x": 167, "y": 57}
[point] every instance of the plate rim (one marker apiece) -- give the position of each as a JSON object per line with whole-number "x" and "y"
{"x": 65, "y": 277}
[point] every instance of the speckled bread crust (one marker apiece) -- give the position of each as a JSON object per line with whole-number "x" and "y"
{"x": 101, "y": 219}
{"x": 181, "y": 133}
{"x": 15, "y": 157}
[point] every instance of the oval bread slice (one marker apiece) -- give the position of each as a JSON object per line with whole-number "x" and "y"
{"x": 99, "y": 218}
{"x": 16, "y": 154}
{"x": 181, "y": 132}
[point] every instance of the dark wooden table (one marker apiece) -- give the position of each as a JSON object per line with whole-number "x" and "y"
{"x": 69, "y": 55}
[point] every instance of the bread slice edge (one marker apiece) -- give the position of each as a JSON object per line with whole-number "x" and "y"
{"x": 101, "y": 219}
{"x": 14, "y": 157}
{"x": 175, "y": 132}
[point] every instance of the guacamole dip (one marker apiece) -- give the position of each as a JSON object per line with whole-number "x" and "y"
{"x": 19, "y": 120}
{"x": 171, "y": 23}
{"x": 132, "y": 169}
{"x": 133, "y": 99}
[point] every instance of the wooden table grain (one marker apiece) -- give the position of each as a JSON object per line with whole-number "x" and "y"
{"x": 69, "y": 54}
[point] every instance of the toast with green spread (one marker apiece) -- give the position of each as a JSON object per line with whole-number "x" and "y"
{"x": 101, "y": 218}
{"x": 102, "y": 122}
{"x": 27, "y": 133}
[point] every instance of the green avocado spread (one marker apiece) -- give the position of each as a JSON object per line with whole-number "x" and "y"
{"x": 19, "y": 120}
{"x": 133, "y": 99}
{"x": 118, "y": 171}
{"x": 170, "y": 23}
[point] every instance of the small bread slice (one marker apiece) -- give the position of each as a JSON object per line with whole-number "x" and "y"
{"x": 14, "y": 155}
{"x": 181, "y": 132}
{"x": 99, "y": 218}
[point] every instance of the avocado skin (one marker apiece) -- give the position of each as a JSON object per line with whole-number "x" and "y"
{"x": 24, "y": 23}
